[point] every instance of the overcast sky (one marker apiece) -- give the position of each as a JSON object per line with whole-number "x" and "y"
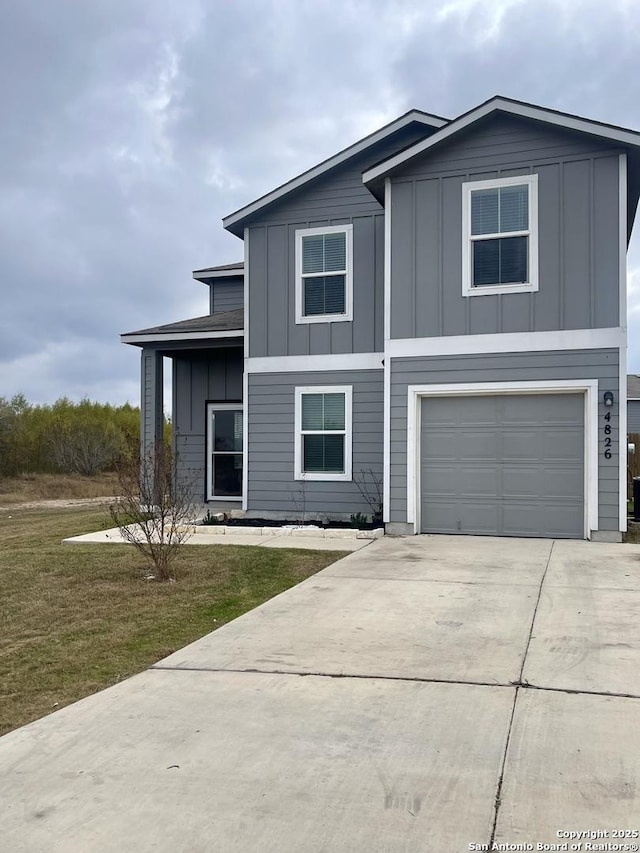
{"x": 130, "y": 127}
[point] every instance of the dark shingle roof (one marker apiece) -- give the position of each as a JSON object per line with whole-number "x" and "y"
{"x": 224, "y": 321}
{"x": 633, "y": 387}
{"x": 231, "y": 268}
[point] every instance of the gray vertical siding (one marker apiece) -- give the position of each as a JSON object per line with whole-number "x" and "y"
{"x": 151, "y": 407}
{"x": 226, "y": 295}
{"x": 578, "y": 234}
{"x": 198, "y": 378}
{"x": 336, "y": 199}
{"x": 512, "y": 367}
{"x": 633, "y": 417}
{"x": 271, "y": 406}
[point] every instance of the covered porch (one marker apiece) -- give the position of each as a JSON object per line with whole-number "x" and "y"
{"x": 207, "y": 358}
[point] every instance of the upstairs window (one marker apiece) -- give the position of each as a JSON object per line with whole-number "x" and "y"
{"x": 324, "y": 274}
{"x": 500, "y": 236}
{"x": 323, "y": 433}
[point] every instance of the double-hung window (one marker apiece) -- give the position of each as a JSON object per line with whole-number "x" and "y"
{"x": 324, "y": 274}
{"x": 323, "y": 433}
{"x": 500, "y": 236}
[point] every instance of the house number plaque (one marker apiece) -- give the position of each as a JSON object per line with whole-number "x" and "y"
{"x": 607, "y": 436}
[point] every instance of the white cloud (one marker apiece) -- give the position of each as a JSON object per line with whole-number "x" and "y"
{"x": 633, "y": 319}
{"x": 130, "y": 128}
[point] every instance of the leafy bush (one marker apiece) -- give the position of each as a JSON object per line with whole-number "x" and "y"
{"x": 66, "y": 437}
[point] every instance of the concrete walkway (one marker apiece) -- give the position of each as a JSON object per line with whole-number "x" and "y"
{"x": 269, "y": 537}
{"x": 423, "y": 694}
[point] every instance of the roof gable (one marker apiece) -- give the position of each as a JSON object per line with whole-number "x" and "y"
{"x": 235, "y": 221}
{"x": 374, "y": 177}
{"x": 565, "y": 121}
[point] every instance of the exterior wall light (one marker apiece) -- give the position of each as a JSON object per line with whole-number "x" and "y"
{"x": 608, "y": 398}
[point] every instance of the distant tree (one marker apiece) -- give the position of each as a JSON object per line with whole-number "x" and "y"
{"x": 7, "y": 429}
{"x": 20, "y": 405}
{"x": 86, "y": 449}
{"x": 65, "y": 437}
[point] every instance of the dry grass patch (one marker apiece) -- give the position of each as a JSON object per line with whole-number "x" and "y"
{"x": 76, "y": 618}
{"x": 41, "y": 487}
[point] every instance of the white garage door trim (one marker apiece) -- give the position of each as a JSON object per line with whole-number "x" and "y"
{"x": 414, "y": 414}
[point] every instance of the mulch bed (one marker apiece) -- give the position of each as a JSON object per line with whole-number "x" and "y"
{"x": 270, "y": 522}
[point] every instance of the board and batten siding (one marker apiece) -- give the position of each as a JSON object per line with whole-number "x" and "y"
{"x": 338, "y": 198}
{"x": 226, "y": 295}
{"x": 633, "y": 417}
{"x": 511, "y": 367}
{"x": 151, "y": 410}
{"x": 578, "y": 250}
{"x": 214, "y": 376}
{"x": 271, "y": 410}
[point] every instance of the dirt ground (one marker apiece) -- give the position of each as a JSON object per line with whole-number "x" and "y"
{"x": 60, "y": 503}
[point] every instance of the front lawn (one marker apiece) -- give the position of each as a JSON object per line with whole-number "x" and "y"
{"x": 40, "y": 487}
{"x": 76, "y": 618}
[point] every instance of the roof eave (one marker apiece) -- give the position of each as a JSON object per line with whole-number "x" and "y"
{"x": 136, "y": 339}
{"x": 234, "y": 222}
{"x": 204, "y": 276}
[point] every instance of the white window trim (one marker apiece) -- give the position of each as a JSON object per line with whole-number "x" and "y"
{"x": 347, "y": 230}
{"x": 209, "y": 450}
{"x": 325, "y": 363}
{"x": 589, "y": 388}
{"x": 530, "y": 286}
{"x": 347, "y": 390}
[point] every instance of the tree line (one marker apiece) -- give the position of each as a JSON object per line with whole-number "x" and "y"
{"x": 65, "y": 437}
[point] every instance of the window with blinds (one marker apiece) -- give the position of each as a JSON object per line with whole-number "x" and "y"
{"x": 500, "y": 238}
{"x": 323, "y": 439}
{"x": 323, "y": 428}
{"x": 323, "y": 279}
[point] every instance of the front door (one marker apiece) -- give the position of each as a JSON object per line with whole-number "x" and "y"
{"x": 224, "y": 451}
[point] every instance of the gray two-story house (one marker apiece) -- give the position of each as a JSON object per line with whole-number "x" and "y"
{"x": 438, "y": 310}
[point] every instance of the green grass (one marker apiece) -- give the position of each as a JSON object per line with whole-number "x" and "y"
{"x": 77, "y": 618}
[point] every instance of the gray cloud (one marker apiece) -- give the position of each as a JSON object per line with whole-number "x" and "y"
{"x": 131, "y": 127}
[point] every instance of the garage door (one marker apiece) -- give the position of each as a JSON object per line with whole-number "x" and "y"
{"x": 506, "y": 465}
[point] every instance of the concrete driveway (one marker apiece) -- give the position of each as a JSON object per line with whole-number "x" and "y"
{"x": 426, "y": 694}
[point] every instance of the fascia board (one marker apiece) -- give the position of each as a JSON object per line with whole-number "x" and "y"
{"x": 163, "y": 337}
{"x": 204, "y": 275}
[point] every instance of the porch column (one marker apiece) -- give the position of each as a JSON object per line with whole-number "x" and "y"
{"x": 151, "y": 400}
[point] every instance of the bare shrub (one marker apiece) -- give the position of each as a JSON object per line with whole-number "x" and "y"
{"x": 155, "y": 507}
{"x": 369, "y": 484}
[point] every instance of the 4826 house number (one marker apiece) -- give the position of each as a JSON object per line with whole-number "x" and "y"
{"x": 607, "y": 436}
